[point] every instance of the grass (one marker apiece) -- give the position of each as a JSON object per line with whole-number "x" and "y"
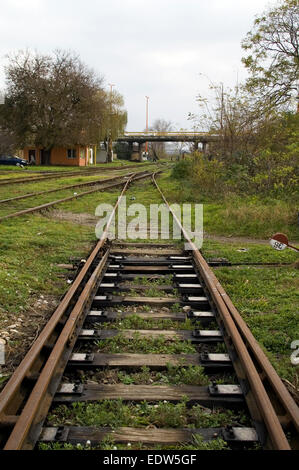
{"x": 144, "y": 345}
{"x": 135, "y": 322}
{"x": 30, "y": 249}
{"x": 9, "y": 191}
{"x": 247, "y": 216}
{"x": 255, "y": 252}
{"x": 162, "y": 281}
{"x": 268, "y": 301}
{"x": 16, "y": 206}
{"x": 40, "y": 168}
{"x": 31, "y": 282}
{"x": 173, "y": 375}
{"x": 267, "y": 298}
{"x": 251, "y": 217}
{"x": 108, "y": 444}
{"x": 32, "y": 246}
{"x": 89, "y": 203}
{"x": 13, "y": 190}
{"x": 116, "y": 413}
{"x": 154, "y": 292}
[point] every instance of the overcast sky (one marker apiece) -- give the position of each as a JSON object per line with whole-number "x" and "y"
{"x": 156, "y": 48}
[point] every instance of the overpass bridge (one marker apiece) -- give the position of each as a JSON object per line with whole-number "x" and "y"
{"x": 138, "y": 139}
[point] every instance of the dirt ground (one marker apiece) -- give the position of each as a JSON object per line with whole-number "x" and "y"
{"x": 82, "y": 218}
{"x": 20, "y": 330}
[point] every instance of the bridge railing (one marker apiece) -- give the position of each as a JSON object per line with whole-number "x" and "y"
{"x": 156, "y": 133}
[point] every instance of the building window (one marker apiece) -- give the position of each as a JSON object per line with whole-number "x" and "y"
{"x": 82, "y": 153}
{"x": 71, "y": 153}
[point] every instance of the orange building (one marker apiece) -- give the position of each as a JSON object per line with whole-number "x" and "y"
{"x": 77, "y": 155}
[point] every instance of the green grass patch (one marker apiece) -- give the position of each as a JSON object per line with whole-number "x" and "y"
{"x": 144, "y": 345}
{"x": 30, "y": 248}
{"x": 14, "y": 190}
{"x": 255, "y": 253}
{"x": 108, "y": 444}
{"x": 172, "y": 375}
{"x": 134, "y": 322}
{"x": 162, "y": 281}
{"x": 268, "y": 300}
{"x": 248, "y": 216}
{"x": 116, "y": 413}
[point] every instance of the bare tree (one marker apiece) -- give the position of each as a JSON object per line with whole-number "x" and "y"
{"x": 235, "y": 117}
{"x": 157, "y": 149}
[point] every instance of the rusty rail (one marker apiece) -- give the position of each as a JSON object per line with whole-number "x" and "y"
{"x": 237, "y": 338}
{"x": 23, "y": 409}
{"x": 143, "y": 174}
{"x": 20, "y": 415}
{"x": 64, "y": 188}
{"x": 65, "y": 174}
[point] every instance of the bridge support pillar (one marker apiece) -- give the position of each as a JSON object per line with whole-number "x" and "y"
{"x": 205, "y": 148}
{"x": 130, "y": 149}
{"x": 141, "y": 146}
{"x": 135, "y": 151}
{"x": 195, "y": 144}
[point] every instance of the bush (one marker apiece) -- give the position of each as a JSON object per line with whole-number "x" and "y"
{"x": 208, "y": 176}
{"x": 182, "y": 169}
{"x": 204, "y": 176}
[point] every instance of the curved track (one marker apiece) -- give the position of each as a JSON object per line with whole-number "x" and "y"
{"x": 39, "y": 382}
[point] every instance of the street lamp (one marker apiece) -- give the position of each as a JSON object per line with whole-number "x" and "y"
{"x": 146, "y": 120}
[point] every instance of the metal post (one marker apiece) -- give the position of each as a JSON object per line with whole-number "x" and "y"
{"x": 146, "y": 128}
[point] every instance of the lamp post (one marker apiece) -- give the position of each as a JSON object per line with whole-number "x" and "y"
{"x": 146, "y": 120}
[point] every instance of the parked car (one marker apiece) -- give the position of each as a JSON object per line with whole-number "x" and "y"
{"x": 8, "y": 160}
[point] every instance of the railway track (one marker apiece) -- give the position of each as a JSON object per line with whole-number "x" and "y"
{"x": 101, "y": 186}
{"x": 63, "y": 188}
{"x": 83, "y": 168}
{"x": 209, "y": 335}
{"x": 62, "y": 174}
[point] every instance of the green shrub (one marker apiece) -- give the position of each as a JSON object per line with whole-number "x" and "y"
{"x": 182, "y": 169}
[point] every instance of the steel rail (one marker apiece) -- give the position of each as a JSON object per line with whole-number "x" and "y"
{"x": 30, "y": 421}
{"x": 258, "y": 401}
{"x": 69, "y": 198}
{"x": 6, "y": 181}
{"x": 53, "y": 175}
{"x": 291, "y": 410}
{"x": 27, "y": 425}
{"x": 46, "y": 375}
{"x": 195, "y": 134}
{"x": 82, "y": 169}
{"x": 63, "y": 188}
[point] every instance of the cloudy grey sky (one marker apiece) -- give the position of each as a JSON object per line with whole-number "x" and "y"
{"x": 155, "y": 47}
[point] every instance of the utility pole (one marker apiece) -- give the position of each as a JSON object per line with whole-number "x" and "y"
{"x": 109, "y": 149}
{"x": 222, "y": 108}
{"x": 146, "y": 121}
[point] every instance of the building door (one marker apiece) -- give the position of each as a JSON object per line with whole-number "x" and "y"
{"x": 45, "y": 157}
{"x": 31, "y": 157}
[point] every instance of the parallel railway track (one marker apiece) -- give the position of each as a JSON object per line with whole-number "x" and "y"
{"x": 102, "y": 185}
{"x": 63, "y": 174}
{"x": 63, "y": 188}
{"x": 100, "y": 295}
